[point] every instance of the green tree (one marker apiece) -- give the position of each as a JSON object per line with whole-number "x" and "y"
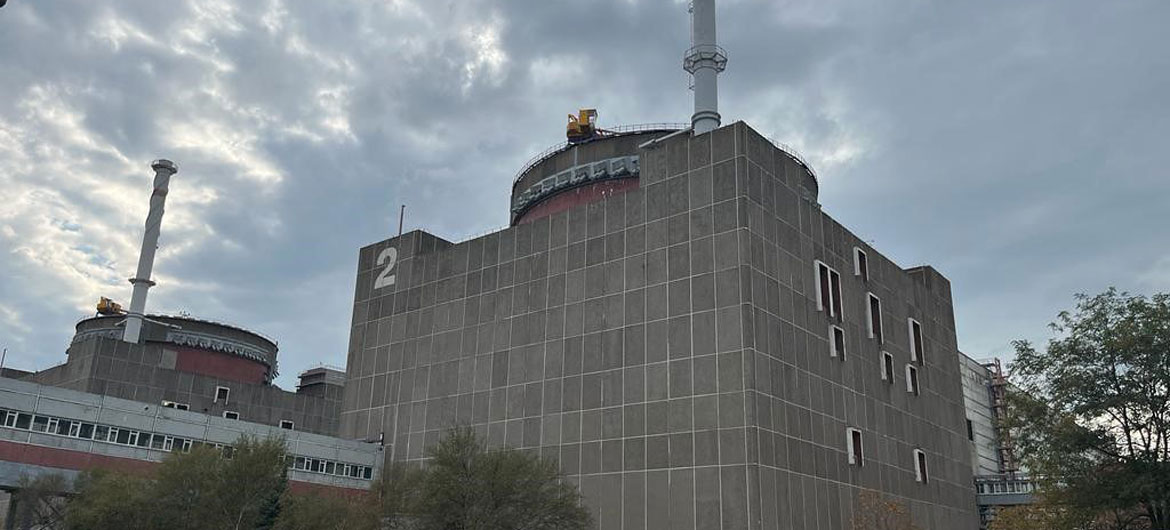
{"x": 874, "y": 512}
{"x": 466, "y": 487}
{"x": 323, "y": 512}
{"x": 39, "y": 502}
{"x": 200, "y": 489}
{"x": 108, "y": 500}
{"x": 1091, "y": 416}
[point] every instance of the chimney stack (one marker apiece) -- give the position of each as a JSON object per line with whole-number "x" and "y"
{"x": 704, "y": 61}
{"x": 163, "y": 169}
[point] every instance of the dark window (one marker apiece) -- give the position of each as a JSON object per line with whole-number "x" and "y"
{"x": 838, "y": 342}
{"x": 970, "y": 431}
{"x": 23, "y": 421}
{"x": 855, "y": 449}
{"x": 40, "y": 424}
{"x": 221, "y": 394}
{"x": 158, "y": 441}
{"x": 182, "y": 406}
{"x": 888, "y": 367}
{"x": 912, "y": 380}
{"x": 367, "y": 473}
{"x": 875, "y": 318}
{"x": 828, "y": 290}
{"x": 86, "y": 431}
{"x": 286, "y": 424}
{"x": 916, "y": 353}
{"x": 63, "y": 427}
{"x": 825, "y": 300}
{"x": 835, "y": 283}
{"x": 231, "y": 415}
{"x": 920, "y": 465}
{"x": 860, "y": 264}
{"x": 329, "y": 468}
{"x": 143, "y": 439}
{"x": 123, "y": 437}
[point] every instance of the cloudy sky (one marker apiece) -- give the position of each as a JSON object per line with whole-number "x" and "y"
{"x": 1016, "y": 146}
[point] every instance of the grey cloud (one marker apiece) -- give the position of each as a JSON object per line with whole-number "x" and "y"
{"x": 1015, "y": 147}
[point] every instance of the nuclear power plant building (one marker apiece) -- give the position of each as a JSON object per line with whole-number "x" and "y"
{"x": 674, "y": 320}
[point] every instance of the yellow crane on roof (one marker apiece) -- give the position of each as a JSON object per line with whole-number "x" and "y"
{"x": 583, "y": 126}
{"x": 105, "y": 306}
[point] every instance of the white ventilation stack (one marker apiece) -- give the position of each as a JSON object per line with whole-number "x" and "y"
{"x": 704, "y": 61}
{"x": 163, "y": 169}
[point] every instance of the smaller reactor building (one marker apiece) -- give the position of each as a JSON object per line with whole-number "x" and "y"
{"x": 138, "y": 386}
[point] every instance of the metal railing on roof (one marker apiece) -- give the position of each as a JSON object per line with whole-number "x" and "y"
{"x": 188, "y": 316}
{"x": 620, "y": 129}
{"x": 326, "y": 366}
{"x": 795, "y": 156}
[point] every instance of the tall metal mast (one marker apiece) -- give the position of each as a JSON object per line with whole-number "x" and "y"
{"x": 704, "y": 61}
{"x": 163, "y": 169}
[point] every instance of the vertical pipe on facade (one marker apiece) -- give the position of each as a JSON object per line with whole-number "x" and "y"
{"x": 163, "y": 170}
{"x": 704, "y": 61}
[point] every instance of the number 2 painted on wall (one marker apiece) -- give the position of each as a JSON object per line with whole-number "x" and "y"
{"x": 388, "y": 257}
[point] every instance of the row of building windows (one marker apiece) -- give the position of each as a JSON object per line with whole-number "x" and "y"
{"x": 1004, "y": 487}
{"x": 328, "y": 467}
{"x": 857, "y": 455}
{"x": 828, "y": 287}
{"x": 159, "y": 442}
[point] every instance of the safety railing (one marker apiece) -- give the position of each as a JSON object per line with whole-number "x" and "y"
{"x": 795, "y": 156}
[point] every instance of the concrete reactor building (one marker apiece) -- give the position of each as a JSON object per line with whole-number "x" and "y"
{"x": 674, "y": 320}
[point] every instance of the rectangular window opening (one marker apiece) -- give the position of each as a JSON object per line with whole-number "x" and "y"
{"x": 221, "y": 394}
{"x": 874, "y": 311}
{"x": 837, "y": 342}
{"x": 835, "y": 291}
{"x": 824, "y": 300}
{"x": 286, "y": 424}
{"x": 970, "y": 431}
{"x": 853, "y": 438}
{"x": 912, "y": 380}
{"x": 231, "y": 415}
{"x": 887, "y": 367}
{"x": 915, "y": 330}
{"x": 828, "y": 287}
{"x": 860, "y": 264}
{"x": 920, "y": 466}
{"x": 40, "y": 424}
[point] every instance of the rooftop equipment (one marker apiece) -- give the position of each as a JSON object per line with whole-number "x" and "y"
{"x": 583, "y": 127}
{"x": 105, "y": 306}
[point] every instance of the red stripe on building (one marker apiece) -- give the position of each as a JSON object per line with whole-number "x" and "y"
{"x": 567, "y": 199}
{"x": 58, "y": 458}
